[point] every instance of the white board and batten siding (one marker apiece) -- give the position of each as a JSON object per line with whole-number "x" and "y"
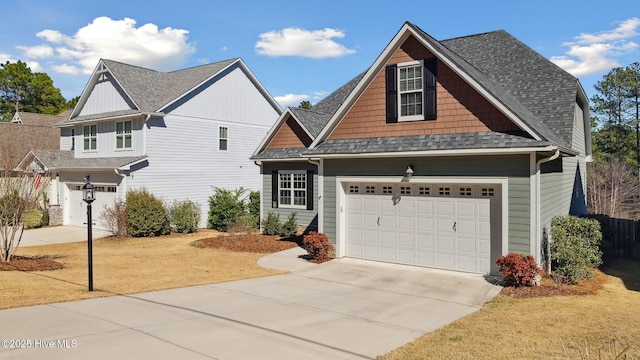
{"x": 233, "y": 98}
{"x": 106, "y": 96}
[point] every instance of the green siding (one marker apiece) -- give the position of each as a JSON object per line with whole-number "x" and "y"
{"x": 578, "y": 138}
{"x": 556, "y": 189}
{"x": 514, "y": 167}
{"x": 306, "y": 218}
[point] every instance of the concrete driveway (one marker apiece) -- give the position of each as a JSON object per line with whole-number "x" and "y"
{"x": 58, "y": 235}
{"x": 343, "y": 309}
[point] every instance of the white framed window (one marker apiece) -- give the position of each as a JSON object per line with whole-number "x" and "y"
{"x": 488, "y": 192}
{"x": 292, "y": 189}
{"x": 444, "y": 191}
{"x": 424, "y": 190}
{"x": 410, "y": 94}
{"x": 405, "y": 190}
{"x": 223, "y": 138}
{"x": 90, "y": 136}
{"x": 354, "y": 189}
{"x": 370, "y": 189}
{"x": 387, "y": 189}
{"x": 123, "y": 134}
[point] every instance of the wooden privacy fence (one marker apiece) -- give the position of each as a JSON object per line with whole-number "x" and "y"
{"x": 624, "y": 234}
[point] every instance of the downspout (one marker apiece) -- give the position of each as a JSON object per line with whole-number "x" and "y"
{"x": 320, "y": 165}
{"x": 124, "y": 182}
{"x": 259, "y": 164}
{"x": 538, "y": 210}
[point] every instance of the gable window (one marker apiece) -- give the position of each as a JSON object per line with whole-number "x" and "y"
{"x": 411, "y": 91}
{"x": 123, "y": 134}
{"x": 223, "y": 138}
{"x": 292, "y": 189}
{"x": 90, "y": 136}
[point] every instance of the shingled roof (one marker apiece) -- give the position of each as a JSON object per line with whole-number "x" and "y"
{"x": 538, "y": 93}
{"x": 64, "y": 159}
{"x": 152, "y": 90}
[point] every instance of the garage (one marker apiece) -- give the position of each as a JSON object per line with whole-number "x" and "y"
{"x": 77, "y": 209}
{"x": 444, "y": 226}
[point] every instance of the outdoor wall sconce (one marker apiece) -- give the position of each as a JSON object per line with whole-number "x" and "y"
{"x": 409, "y": 172}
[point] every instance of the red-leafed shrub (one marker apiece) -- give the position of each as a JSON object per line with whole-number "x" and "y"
{"x": 519, "y": 269}
{"x": 318, "y": 246}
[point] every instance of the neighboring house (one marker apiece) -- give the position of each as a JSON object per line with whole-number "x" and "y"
{"x": 27, "y": 131}
{"x": 178, "y": 134}
{"x": 444, "y": 154}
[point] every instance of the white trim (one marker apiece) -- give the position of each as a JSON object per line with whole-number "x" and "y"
{"x": 321, "y": 196}
{"x": 276, "y": 128}
{"x": 292, "y": 189}
{"x": 124, "y": 135}
{"x": 453, "y": 152}
{"x": 341, "y": 194}
{"x": 534, "y": 207}
{"x": 407, "y": 118}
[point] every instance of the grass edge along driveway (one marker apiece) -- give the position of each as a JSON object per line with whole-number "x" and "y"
{"x": 125, "y": 266}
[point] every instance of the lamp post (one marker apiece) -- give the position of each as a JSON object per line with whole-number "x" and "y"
{"x": 88, "y": 195}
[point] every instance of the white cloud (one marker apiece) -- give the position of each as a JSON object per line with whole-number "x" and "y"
{"x": 33, "y": 65}
{"x": 121, "y": 40}
{"x": 66, "y": 69}
{"x": 36, "y": 52}
{"x": 317, "y": 44}
{"x": 593, "y": 53}
{"x": 291, "y": 99}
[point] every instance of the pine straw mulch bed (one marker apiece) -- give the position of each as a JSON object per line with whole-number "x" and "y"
{"x": 254, "y": 243}
{"x": 549, "y": 287}
{"x": 30, "y": 263}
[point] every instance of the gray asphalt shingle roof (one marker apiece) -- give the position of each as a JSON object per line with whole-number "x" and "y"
{"x": 539, "y": 93}
{"x": 63, "y": 159}
{"x": 460, "y": 141}
{"x": 151, "y": 89}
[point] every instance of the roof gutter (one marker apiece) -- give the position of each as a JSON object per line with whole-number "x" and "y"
{"x": 112, "y": 118}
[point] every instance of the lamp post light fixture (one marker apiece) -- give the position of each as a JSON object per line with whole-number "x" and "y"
{"x": 89, "y": 195}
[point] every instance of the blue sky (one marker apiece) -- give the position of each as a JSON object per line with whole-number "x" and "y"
{"x": 301, "y": 50}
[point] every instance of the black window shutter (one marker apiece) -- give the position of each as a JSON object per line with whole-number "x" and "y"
{"x": 310, "y": 190}
{"x": 274, "y": 189}
{"x": 392, "y": 93}
{"x": 430, "y": 79}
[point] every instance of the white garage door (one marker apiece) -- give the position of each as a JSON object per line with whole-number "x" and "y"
{"x": 440, "y": 226}
{"x": 105, "y": 195}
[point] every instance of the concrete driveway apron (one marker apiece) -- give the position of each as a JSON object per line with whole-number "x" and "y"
{"x": 58, "y": 235}
{"x": 343, "y": 309}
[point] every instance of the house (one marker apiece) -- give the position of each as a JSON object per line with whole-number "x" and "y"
{"x": 443, "y": 154}
{"x": 178, "y": 134}
{"x": 26, "y": 131}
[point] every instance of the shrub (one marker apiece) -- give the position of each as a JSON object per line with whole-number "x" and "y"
{"x": 272, "y": 225}
{"x": 318, "y": 246}
{"x": 32, "y": 218}
{"x": 146, "y": 214}
{"x": 243, "y": 224}
{"x": 10, "y": 206}
{"x": 184, "y": 216}
{"x": 115, "y": 218}
{"x": 575, "y": 247}
{"x": 45, "y": 217}
{"x": 254, "y": 207}
{"x": 225, "y": 206}
{"x": 290, "y": 227}
{"x": 519, "y": 269}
